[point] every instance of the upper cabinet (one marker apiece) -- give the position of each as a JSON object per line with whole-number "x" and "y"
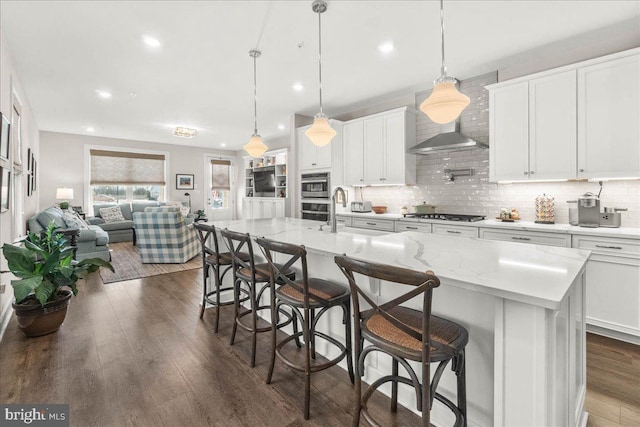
{"x": 579, "y": 121}
{"x": 314, "y": 157}
{"x": 609, "y": 119}
{"x": 375, "y": 149}
{"x": 533, "y": 129}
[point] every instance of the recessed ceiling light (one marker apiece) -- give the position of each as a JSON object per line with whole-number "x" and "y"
{"x": 297, "y": 87}
{"x": 103, "y": 94}
{"x": 183, "y": 132}
{"x": 386, "y": 47}
{"x": 89, "y": 129}
{"x": 223, "y": 145}
{"x": 151, "y": 41}
{"x": 281, "y": 127}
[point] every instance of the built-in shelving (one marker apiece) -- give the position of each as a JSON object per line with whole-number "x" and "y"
{"x": 276, "y": 159}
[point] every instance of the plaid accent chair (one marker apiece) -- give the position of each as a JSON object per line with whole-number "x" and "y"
{"x": 163, "y": 236}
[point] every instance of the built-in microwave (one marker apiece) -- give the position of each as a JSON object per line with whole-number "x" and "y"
{"x": 316, "y": 210}
{"x": 315, "y": 185}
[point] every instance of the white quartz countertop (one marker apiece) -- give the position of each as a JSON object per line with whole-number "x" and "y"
{"x": 533, "y": 274}
{"x": 621, "y": 232}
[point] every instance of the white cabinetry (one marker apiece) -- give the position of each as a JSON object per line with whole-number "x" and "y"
{"x": 375, "y": 149}
{"x": 533, "y": 129}
{"x": 409, "y": 226}
{"x": 455, "y": 230}
{"x": 373, "y": 224}
{"x": 262, "y": 207}
{"x": 532, "y": 237}
{"x": 613, "y": 286}
{"x": 313, "y": 157}
{"x": 609, "y": 119}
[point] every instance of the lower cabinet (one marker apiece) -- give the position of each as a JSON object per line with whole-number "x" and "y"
{"x": 262, "y": 207}
{"x": 410, "y": 226}
{"x": 455, "y": 230}
{"x": 532, "y": 237}
{"x": 613, "y": 286}
{"x": 373, "y": 224}
{"x": 344, "y": 220}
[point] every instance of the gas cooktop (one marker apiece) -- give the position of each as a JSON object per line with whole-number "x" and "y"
{"x": 446, "y": 217}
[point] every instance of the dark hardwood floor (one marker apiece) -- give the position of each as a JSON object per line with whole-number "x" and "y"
{"x": 135, "y": 354}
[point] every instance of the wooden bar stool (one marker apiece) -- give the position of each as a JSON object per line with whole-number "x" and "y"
{"x": 304, "y": 297}
{"x": 406, "y": 334}
{"x": 256, "y": 279}
{"x": 217, "y": 262}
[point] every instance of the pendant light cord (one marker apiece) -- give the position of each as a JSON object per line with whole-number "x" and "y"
{"x": 443, "y": 69}
{"x": 255, "y": 99}
{"x": 320, "y": 56}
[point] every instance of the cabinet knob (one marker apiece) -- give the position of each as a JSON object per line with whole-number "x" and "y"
{"x": 526, "y": 173}
{"x": 531, "y": 173}
{"x": 580, "y": 170}
{"x": 313, "y": 164}
{"x": 361, "y": 179}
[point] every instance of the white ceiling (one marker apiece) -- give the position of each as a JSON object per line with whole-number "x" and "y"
{"x": 201, "y": 76}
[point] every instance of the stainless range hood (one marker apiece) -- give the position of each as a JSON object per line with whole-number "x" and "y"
{"x": 449, "y": 139}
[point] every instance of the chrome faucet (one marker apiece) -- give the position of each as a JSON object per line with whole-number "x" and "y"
{"x": 334, "y": 224}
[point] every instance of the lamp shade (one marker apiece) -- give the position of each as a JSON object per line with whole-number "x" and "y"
{"x": 321, "y": 133}
{"x": 64, "y": 194}
{"x": 445, "y": 103}
{"x": 255, "y": 147}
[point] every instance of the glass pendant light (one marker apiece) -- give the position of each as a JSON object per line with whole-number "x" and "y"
{"x": 255, "y": 147}
{"x": 445, "y": 103}
{"x": 321, "y": 133}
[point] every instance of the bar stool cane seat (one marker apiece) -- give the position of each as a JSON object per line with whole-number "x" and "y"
{"x": 324, "y": 289}
{"x": 224, "y": 258}
{"x": 263, "y": 273}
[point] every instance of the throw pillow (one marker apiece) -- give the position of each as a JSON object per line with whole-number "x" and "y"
{"x": 74, "y": 221}
{"x": 184, "y": 210}
{"x": 111, "y": 214}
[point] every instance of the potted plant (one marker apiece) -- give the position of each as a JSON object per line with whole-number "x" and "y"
{"x": 48, "y": 276}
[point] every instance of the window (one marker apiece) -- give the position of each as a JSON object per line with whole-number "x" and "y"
{"x": 220, "y": 184}
{"x": 120, "y": 176}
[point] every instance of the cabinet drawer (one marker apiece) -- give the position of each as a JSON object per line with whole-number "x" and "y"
{"x": 344, "y": 220}
{"x": 608, "y": 245}
{"x": 410, "y": 226}
{"x": 455, "y": 230}
{"x": 535, "y": 238}
{"x": 374, "y": 224}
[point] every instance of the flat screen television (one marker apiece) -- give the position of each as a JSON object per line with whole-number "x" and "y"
{"x": 264, "y": 181}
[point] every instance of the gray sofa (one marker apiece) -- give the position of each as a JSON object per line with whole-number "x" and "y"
{"x": 91, "y": 243}
{"x": 122, "y": 231}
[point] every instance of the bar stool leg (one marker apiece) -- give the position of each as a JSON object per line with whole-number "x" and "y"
{"x": 308, "y": 339}
{"x": 347, "y": 330}
{"x": 205, "y": 274}
{"x": 295, "y": 329}
{"x": 312, "y": 335}
{"x": 394, "y": 386}
{"x": 462, "y": 385}
{"x": 216, "y": 272}
{"x": 236, "y": 308}
{"x": 274, "y": 328}
{"x": 254, "y": 323}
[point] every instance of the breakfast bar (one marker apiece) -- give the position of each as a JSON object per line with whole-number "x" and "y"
{"x": 523, "y": 306}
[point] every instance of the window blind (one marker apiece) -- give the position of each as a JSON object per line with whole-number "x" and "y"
{"x": 121, "y": 168}
{"x": 220, "y": 174}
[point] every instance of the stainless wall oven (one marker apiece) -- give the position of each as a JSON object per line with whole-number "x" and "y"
{"x": 315, "y": 193}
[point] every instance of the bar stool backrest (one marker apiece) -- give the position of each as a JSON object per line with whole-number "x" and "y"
{"x": 295, "y": 253}
{"x": 235, "y": 243}
{"x": 206, "y": 232}
{"x": 423, "y": 283}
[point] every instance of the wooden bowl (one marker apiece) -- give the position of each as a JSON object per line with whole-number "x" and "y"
{"x": 379, "y": 209}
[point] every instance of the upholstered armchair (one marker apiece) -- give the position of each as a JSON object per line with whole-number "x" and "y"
{"x": 162, "y": 236}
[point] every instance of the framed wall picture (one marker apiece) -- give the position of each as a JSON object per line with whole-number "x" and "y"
{"x": 184, "y": 182}
{"x": 5, "y": 176}
{"x": 4, "y": 137}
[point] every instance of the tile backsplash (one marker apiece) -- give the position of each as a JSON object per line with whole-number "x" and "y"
{"x": 475, "y": 194}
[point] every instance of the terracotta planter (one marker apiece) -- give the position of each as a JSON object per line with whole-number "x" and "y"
{"x": 36, "y": 320}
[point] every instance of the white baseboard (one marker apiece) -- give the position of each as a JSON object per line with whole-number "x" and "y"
{"x": 616, "y": 335}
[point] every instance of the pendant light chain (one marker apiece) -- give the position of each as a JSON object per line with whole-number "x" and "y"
{"x": 255, "y": 97}
{"x": 320, "y": 57}
{"x": 443, "y": 69}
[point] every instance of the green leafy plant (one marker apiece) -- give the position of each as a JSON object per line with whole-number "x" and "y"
{"x": 200, "y": 213}
{"x": 45, "y": 264}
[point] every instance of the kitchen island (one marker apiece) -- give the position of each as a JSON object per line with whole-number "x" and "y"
{"x": 523, "y": 306}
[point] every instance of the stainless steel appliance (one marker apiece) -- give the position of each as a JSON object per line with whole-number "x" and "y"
{"x": 315, "y": 196}
{"x": 446, "y": 217}
{"x": 361, "y": 207}
{"x": 589, "y": 210}
{"x": 611, "y": 217}
{"x": 315, "y": 185}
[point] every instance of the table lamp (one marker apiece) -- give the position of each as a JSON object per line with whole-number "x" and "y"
{"x": 66, "y": 195}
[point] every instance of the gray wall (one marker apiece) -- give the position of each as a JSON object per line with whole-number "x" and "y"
{"x": 68, "y": 168}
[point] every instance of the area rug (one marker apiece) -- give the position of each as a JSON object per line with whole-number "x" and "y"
{"x": 126, "y": 261}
